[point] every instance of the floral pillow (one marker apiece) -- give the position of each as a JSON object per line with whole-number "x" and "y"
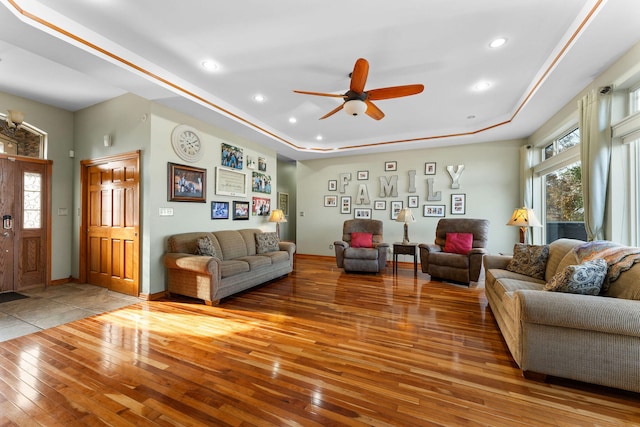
{"x": 586, "y": 278}
{"x": 204, "y": 246}
{"x": 267, "y": 242}
{"x": 530, "y": 260}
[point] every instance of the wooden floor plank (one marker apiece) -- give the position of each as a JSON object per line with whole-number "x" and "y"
{"x": 316, "y": 348}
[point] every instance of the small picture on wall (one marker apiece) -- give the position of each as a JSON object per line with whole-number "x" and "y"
{"x": 363, "y": 175}
{"x": 458, "y": 204}
{"x": 330, "y": 201}
{"x": 260, "y": 183}
{"x": 219, "y": 210}
{"x": 240, "y": 210}
{"x": 283, "y": 203}
{"x": 390, "y": 166}
{"x": 345, "y": 204}
{"x": 433, "y": 210}
{"x": 362, "y": 213}
{"x": 396, "y": 207}
{"x": 412, "y": 202}
{"x": 261, "y": 206}
{"x": 380, "y": 205}
{"x": 262, "y": 164}
{"x": 430, "y": 168}
{"x": 231, "y": 156}
{"x": 332, "y": 185}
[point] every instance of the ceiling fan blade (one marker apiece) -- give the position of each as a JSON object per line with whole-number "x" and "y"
{"x": 394, "y": 92}
{"x": 373, "y": 111}
{"x": 332, "y": 112}
{"x": 359, "y": 75}
{"x": 333, "y": 95}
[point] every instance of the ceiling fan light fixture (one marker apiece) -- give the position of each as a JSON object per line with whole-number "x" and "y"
{"x": 15, "y": 118}
{"x": 355, "y": 107}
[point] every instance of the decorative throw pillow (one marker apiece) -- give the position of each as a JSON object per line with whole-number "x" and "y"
{"x": 530, "y": 260}
{"x": 361, "y": 240}
{"x": 585, "y": 278}
{"x": 267, "y": 242}
{"x": 205, "y": 247}
{"x": 458, "y": 243}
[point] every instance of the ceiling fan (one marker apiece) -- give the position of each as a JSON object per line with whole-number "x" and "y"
{"x": 357, "y": 101}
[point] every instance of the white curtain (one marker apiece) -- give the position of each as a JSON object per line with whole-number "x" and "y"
{"x": 526, "y": 184}
{"x": 594, "y": 112}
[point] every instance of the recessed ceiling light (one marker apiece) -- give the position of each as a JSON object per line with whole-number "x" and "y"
{"x": 480, "y": 86}
{"x": 319, "y": 137}
{"x": 498, "y": 42}
{"x": 471, "y": 117}
{"x": 293, "y": 120}
{"x": 258, "y": 98}
{"x": 210, "y": 65}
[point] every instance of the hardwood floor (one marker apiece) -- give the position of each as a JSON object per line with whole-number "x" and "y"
{"x": 317, "y": 348}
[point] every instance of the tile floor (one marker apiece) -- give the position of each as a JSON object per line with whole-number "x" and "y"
{"x": 55, "y": 305}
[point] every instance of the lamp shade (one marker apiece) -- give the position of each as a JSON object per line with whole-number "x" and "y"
{"x": 355, "y": 107}
{"x": 277, "y": 216}
{"x": 524, "y": 217}
{"x": 406, "y": 216}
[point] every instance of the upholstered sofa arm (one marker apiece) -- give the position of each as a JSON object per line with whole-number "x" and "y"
{"x": 496, "y": 261}
{"x": 340, "y": 246}
{"x": 288, "y": 247}
{"x": 430, "y": 247}
{"x": 586, "y": 312}
{"x": 196, "y": 263}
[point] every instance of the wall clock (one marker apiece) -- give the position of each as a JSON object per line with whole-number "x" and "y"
{"x": 186, "y": 143}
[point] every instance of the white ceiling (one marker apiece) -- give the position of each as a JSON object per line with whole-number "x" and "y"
{"x": 73, "y": 54}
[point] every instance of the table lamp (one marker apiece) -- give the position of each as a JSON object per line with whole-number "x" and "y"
{"x": 277, "y": 216}
{"x": 405, "y": 216}
{"x": 523, "y": 218}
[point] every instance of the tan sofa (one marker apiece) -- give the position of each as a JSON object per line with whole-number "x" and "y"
{"x": 595, "y": 339}
{"x": 236, "y": 267}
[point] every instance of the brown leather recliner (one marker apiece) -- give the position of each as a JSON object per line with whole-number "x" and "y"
{"x": 451, "y": 266}
{"x": 370, "y": 260}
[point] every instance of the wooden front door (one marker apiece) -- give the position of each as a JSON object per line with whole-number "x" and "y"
{"x": 111, "y": 220}
{"x": 25, "y": 214}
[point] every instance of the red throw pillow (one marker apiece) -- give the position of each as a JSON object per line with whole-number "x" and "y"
{"x": 458, "y": 243}
{"x": 361, "y": 240}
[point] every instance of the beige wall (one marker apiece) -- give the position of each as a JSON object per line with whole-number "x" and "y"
{"x": 489, "y": 182}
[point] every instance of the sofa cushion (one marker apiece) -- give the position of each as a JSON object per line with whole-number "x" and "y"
{"x": 361, "y": 253}
{"x": 277, "y": 256}
{"x": 266, "y": 242}
{"x": 530, "y": 260}
{"x": 444, "y": 259}
{"x": 361, "y": 240}
{"x": 255, "y": 261}
{"x": 458, "y": 243}
{"x": 585, "y": 278}
{"x": 232, "y": 244}
{"x": 232, "y": 267}
{"x": 205, "y": 247}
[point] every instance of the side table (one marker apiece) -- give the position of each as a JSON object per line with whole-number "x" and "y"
{"x": 400, "y": 248}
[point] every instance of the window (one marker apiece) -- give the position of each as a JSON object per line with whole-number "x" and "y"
{"x": 563, "y": 143}
{"x": 634, "y": 100}
{"x": 32, "y": 200}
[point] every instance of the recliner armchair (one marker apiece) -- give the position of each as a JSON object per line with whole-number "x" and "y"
{"x": 371, "y": 260}
{"x": 452, "y": 266}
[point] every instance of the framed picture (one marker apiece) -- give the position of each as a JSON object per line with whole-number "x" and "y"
{"x": 396, "y": 207}
{"x": 262, "y": 164}
{"x": 283, "y": 203}
{"x": 433, "y": 210}
{"x": 390, "y": 166}
{"x": 458, "y": 204}
{"x": 260, "y": 206}
{"x": 333, "y": 185}
{"x": 260, "y": 183}
{"x": 380, "y": 205}
{"x": 231, "y": 182}
{"x": 330, "y": 201}
{"x": 345, "y": 204}
{"x": 219, "y": 210}
{"x": 240, "y": 210}
{"x": 362, "y": 213}
{"x": 251, "y": 162}
{"x": 430, "y": 168}
{"x": 412, "y": 202}
{"x": 231, "y": 156}
{"x": 186, "y": 183}
{"x": 363, "y": 175}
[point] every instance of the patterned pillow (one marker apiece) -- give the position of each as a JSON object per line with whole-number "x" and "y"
{"x": 585, "y": 278}
{"x": 267, "y": 242}
{"x": 205, "y": 247}
{"x": 530, "y": 260}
